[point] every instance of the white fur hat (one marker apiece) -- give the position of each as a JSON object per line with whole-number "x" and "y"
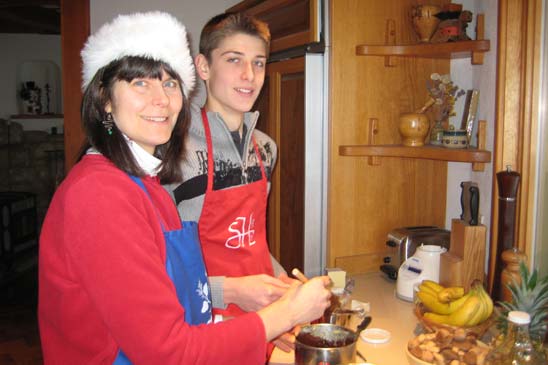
{"x": 155, "y": 34}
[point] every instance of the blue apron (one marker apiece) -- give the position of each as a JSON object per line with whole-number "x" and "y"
{"x": 186, "y": 269}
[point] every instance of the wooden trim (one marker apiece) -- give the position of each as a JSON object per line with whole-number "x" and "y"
{"x": 275, "y": 72}
{"x": 530, "y": 126}
{"x": 518, "y": 67}
{"x": 75, "y": 29}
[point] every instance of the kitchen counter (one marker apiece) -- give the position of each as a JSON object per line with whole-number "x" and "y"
{"x": 387, "y": 311}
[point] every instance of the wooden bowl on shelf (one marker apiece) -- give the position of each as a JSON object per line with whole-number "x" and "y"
{"x": 431, "y": 326}
{"x": 413, "y": 128}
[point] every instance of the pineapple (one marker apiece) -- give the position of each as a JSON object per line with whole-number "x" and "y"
{"x": 531, "y": 296}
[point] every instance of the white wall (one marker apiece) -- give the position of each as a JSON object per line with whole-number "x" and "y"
{"x": 483, "y": 78}
{"x": 193, "y": 14}
{"x": 16, "y": 49}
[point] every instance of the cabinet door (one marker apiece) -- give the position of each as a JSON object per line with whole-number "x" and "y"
{"x": 282, "y": 108}
{"x": 292, "y": 23}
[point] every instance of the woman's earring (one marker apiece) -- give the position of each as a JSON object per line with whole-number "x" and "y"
{"x": 108, "y": 123}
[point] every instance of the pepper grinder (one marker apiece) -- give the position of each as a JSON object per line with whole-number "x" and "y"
{"x": 508, "y": 183}
{"x": 511, "y": 258}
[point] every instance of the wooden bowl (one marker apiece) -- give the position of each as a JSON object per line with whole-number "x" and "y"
{"x": 413, "y": 128}
{"x": 431, "y": 326}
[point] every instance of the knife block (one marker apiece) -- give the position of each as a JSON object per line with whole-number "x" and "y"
{"x": 465, "y": 260}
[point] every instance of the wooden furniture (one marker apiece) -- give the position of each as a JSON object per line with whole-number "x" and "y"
{"x": 18, "y": 233}
{"x": 374, "y": 79}
{"x": 465, "y": 261}
{"x": 292, "y": 23}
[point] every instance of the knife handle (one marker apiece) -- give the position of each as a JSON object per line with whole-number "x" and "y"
{"x": 474, "y": 205}
{"x": 462, "y": 200}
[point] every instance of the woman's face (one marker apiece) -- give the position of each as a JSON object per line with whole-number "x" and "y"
{"x": 146, "y": 109}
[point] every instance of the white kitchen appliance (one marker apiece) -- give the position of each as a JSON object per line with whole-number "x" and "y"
{"x": 423, "y": 265}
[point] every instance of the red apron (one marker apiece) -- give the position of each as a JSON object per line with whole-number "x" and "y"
{"x": 232, "y": 226}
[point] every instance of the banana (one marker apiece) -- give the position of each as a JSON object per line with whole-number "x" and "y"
{"x": 488, "y": 302}
{"x": 461, "y": 316}
{"x": 428, "y": 289}
{"x": 433, "y": 304}
{"x": 432, "y": 285}
{"x": 464, "y": 314}
{"x": 447, "y": 295}
{"x": 479, "y": 315}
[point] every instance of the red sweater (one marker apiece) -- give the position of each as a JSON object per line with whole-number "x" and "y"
{"x": 103, "y": 283}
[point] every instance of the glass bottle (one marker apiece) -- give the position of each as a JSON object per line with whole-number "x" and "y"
{"x": 517, "y": 348}
{"x": 436, "y": 133}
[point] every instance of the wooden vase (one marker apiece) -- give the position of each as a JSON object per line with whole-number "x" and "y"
{"x": 424, "y": 21}
{"x": 413, "y": 128}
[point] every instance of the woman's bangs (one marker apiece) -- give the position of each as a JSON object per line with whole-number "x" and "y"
{"x": 141, "y": 67}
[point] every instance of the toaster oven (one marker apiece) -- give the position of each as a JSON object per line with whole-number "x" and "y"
{"x": 404, "y": 241}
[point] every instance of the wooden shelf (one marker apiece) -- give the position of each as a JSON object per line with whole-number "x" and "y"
{"x": 460, "y": 49}
{"x": 36, "y": 116}
{"x": 424, "y": 152}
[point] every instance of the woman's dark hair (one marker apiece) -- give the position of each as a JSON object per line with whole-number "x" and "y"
{"x": 114, "y": 147}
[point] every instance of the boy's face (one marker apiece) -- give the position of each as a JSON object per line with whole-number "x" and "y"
{"x": 235, "y": 75}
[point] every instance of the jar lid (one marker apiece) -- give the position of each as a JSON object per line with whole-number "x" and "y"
{"x": 519, "y": 317}
{"x": 375, "y": 335}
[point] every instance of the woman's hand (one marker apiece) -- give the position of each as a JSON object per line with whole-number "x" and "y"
{"x": 308, "y": 301}
{"x": 285, "y": 342}
{"x": 302, "y": 303}
{"x": 254, "y": 292}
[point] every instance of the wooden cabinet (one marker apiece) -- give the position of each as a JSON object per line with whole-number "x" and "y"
{"x": 292, "y": 23}
{"x": 281, "y": 104}
{"x": 377, "y": 72}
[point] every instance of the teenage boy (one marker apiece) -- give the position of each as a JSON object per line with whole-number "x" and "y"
{"x": 227, "y": 171}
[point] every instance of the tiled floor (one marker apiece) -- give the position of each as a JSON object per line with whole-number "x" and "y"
{"x": 19, "y": 338}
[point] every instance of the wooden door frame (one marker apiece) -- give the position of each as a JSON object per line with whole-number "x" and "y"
{"x": 517, "y": 121}
{"x": 275, "y": 72}
{"x": 75, "y": 28}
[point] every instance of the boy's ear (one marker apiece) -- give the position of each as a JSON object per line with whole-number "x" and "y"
{"x": 202, "y": 66}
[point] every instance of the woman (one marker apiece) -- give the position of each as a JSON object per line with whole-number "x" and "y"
{"x": 122, "y": 279}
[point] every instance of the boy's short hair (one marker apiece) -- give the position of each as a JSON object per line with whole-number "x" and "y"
{"x": 227, "y": 24}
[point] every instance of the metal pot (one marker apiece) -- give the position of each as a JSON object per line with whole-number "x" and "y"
{"x": 325, "y": 344}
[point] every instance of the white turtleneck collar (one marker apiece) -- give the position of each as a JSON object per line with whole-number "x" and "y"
{"x": 145, "y": 160}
